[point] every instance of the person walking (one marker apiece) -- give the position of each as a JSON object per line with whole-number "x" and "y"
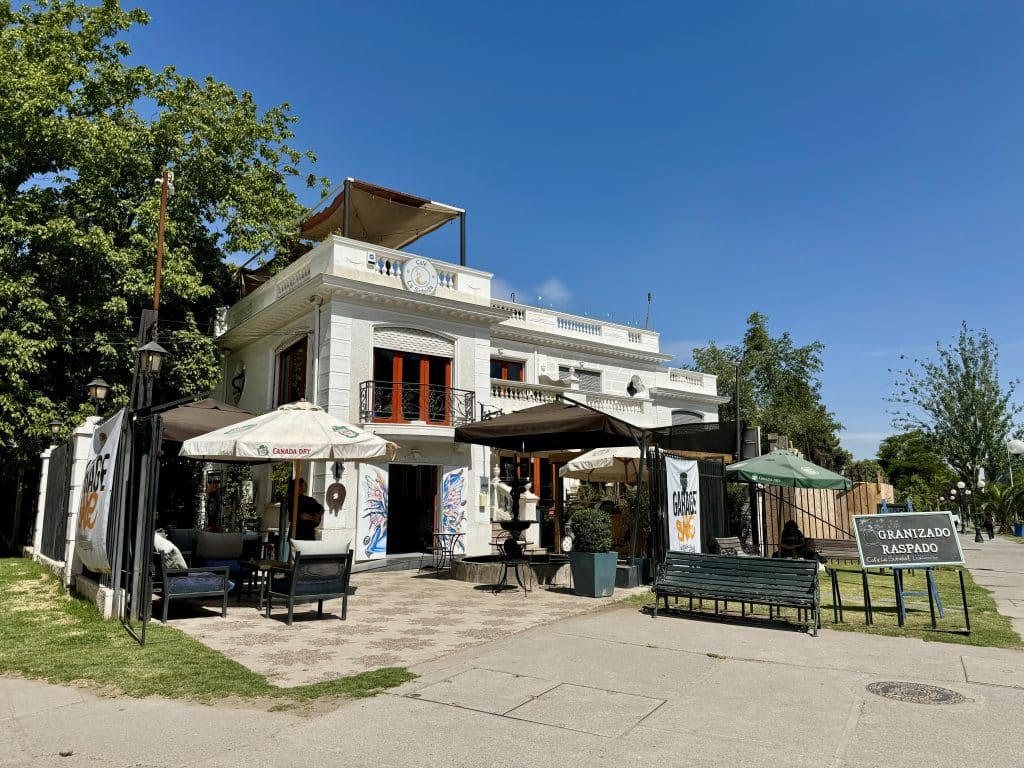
{"x": 990, "y": 525}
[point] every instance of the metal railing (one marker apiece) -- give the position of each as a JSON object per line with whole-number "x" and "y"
{"x": 400, "y": 402}
{"x": 55, "y": 511}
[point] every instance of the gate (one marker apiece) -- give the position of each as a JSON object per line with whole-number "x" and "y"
{"x": 55, "y": 511}
{"x": 712, "y": 502}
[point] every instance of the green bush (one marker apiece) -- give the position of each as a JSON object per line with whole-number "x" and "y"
{"x": 591, "y": 530}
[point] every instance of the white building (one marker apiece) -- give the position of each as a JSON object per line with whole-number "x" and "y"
{"x": 410, "y": 348}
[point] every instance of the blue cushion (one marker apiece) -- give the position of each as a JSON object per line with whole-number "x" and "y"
{"x": 233, "y": 565}
{"x": 196, "y": 582}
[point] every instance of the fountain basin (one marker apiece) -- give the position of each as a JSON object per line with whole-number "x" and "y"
{"x": 548, "y": 570}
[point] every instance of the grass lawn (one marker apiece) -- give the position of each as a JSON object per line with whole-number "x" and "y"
{"x": 49, "y": 635}
{"x": 988, "y": 627}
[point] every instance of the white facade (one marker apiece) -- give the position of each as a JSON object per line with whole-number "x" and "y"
{"x": 347, "y": 298}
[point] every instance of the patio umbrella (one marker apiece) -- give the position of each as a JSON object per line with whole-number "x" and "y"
{"x": 193, "y": 419}
{"x": 294, "y": 432}
{"x": 619, "y": 464}
{"x": 785, "y": 468}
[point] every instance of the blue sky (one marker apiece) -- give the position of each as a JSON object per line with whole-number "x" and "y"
{"x": 854, "y": 170}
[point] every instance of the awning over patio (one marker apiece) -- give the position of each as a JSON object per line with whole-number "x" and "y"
{"x": 191, "y": 419}
{"x": 379, "y": 215}
{"x": 554, "y": 426}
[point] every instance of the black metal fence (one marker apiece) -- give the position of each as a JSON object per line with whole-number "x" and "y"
{"x": 713, "y": 519}
{"x": 55, "y": 511}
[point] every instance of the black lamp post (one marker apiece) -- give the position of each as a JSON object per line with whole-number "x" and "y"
{"x": 97, "y": 389}
{"x": 55, "y": 427}
{"x": 974, "y": 514}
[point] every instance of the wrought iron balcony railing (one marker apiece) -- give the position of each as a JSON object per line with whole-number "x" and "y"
{"x": 399, "y": 402}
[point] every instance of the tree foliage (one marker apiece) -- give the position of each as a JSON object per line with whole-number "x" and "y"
{"x": 915, "y": 469}
{"x": 958, "y": 401}
{"x": 83, "y": 135}
{"x": 779, "y": 389}
{"x": 1005, "y": 502}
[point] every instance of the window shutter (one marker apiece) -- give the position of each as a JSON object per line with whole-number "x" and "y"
{"x": 413, "y": 340}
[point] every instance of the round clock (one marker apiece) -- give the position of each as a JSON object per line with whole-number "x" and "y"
{"x": 419, "y": 276}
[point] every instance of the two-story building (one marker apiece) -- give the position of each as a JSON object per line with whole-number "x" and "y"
{"x": 409, "y": 348}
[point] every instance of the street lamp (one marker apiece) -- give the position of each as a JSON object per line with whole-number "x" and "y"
{"x": 1013, "y": 448}
{"x": 151, "y": 358}
{"x": 55, "y": 427}
{"x": 97, "y": 389}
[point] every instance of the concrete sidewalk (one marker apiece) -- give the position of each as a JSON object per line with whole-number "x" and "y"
{"x": 610, "y": 687}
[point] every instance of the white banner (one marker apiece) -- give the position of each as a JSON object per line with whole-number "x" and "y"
{"x": 683, "y": 513}
{"x": 97, "y": 491}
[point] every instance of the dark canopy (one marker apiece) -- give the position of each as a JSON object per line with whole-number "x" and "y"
{"x": 557, "y": 426}
{"x": 198, "y": 418}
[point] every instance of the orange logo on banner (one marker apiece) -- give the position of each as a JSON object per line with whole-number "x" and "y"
{"x": 87, "y": 510}
{"x": 684, "y": 528}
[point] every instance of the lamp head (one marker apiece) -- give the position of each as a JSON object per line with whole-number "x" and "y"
{"x": 55, "y": 426}
{"x": 961, "y": 485}
{"x": 151, "y": 358}
{"x": 97, "y": 389}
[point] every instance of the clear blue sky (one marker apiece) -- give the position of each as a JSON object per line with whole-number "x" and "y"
{"x": 854, "y": 170}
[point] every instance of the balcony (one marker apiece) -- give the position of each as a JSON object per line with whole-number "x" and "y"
{"x": 512, "y": 396}
{"x": 397, "y": 402}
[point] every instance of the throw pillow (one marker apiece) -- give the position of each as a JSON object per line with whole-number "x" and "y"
{"x": 319, "y": 547}
{"x": 169, "y": 553}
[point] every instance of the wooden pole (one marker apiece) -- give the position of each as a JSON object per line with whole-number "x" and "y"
{"x": 295, "y": 500}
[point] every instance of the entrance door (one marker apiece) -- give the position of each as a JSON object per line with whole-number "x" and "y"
{"x": 412, "y": 507}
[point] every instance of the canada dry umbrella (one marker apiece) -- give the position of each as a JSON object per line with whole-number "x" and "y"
{"x": 294, "y": 432}
{"x": 786, "y": 469}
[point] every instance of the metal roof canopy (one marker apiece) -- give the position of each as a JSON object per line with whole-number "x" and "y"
{"x": 382, "y": 216}
{"x": 561, "y": 425}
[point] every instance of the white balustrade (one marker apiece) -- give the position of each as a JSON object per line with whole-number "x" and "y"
{"x": 390, "y": 268}
{"x": 522, "y": 392}
{"x": 611, "y": 403}
{"x": 691, "y": 378}
{"x": 578, "y": 326}
{"x": 517, "y": 313}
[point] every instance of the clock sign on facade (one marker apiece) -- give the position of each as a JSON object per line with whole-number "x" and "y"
{"x": 420, "y": 276}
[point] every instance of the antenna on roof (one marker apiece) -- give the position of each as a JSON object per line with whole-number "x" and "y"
{"x": 647, "y": 320}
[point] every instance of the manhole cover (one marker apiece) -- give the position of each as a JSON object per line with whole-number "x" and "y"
{"x": 916, "y": 693}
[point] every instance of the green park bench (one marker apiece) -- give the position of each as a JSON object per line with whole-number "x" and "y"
{"x": 775, "y": 582}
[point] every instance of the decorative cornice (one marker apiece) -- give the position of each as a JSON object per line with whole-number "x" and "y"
{"x": 676, "y": 394}
{"x": 559, "y": 341}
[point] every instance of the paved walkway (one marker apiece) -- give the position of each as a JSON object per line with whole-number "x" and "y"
{"x": 395, "y": 619}
{"x": 603, "y": 688}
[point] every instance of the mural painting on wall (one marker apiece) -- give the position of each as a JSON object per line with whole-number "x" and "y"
{"x": 453, "y": 504}
{"x": 375, "y": 514}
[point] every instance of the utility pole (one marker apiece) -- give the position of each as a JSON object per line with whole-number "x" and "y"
{"x": 166, "y": 191}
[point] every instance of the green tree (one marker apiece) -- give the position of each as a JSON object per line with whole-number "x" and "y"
{"x": 83, "y": 135}
{"x": 912, "y": 464}
{"x": 958, "y": 401}
{"x": 779, "y": 388}
{"x": 1005, "y": 502}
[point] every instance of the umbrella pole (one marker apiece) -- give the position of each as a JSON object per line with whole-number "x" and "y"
{"x": 295, "y": 500}
{"x": 639, "y": 497}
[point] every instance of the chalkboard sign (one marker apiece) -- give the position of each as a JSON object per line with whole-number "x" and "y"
{"x": 907, "y": 540}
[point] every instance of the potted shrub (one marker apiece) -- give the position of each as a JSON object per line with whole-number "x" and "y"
{"x": 593, "y": 566}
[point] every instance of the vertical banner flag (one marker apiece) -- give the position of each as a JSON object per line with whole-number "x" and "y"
{"x": 97, "y": 491}
{"x": 683, "y": 511}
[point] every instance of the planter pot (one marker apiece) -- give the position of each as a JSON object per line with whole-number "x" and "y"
{"x": 593, "y": 573}
{"x": 643, "y": 565}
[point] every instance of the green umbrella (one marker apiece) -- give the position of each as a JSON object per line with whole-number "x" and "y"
{"x": 787, "y": 469}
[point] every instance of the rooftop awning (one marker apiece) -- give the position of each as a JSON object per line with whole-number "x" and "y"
{"x": 379, "y": 216}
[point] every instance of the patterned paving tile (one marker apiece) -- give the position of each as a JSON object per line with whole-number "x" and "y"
{"x": 394, "y": 618}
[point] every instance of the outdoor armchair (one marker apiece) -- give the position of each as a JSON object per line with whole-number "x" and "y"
{"x": 179, "y": 583}
{"x": 311, "y": 578}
